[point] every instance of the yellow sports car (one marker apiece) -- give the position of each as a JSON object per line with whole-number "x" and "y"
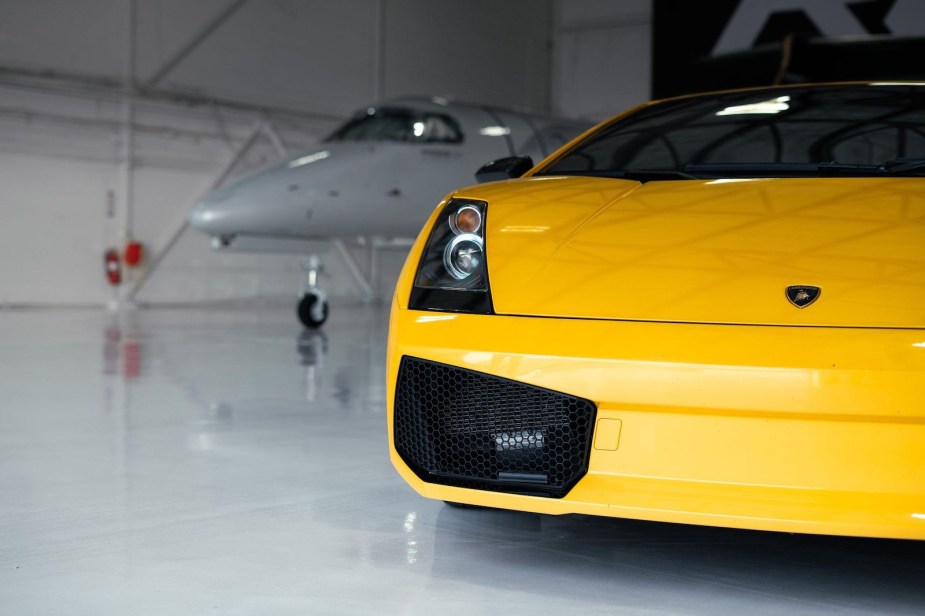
{"x": 708, "y": 310}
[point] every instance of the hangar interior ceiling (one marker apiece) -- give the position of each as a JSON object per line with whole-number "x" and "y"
{"x": 117, "y": 115}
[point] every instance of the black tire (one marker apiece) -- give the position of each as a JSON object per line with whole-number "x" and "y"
{"x": 304, "y": 311}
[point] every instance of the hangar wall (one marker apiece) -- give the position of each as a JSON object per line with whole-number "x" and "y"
{"x": 601, "y": 60}
{"x": 207, "y": 72}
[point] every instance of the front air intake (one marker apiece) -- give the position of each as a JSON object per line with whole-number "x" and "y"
{"x": 467, "y": 429}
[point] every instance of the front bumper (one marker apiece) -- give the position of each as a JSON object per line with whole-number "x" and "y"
{"x": 815, "y": 430}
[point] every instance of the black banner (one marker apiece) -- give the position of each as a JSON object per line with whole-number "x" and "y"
{"x": 722, "y": 44}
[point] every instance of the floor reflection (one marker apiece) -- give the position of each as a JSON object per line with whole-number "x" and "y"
{"x": 199, "y": 461}
{"x": 634, "y": 563}
{"x": 123, "y": 349}
{"x": 312, "y": 346}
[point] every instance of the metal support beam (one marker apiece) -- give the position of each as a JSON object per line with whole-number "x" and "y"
{"x": 196, "y": 41}
{"x": 379, "y": 50}
{"x": 362, "y": 281}
{"x": 128, "y": 144}
{"x": 101, "y": 88}
{"x": 181, "y": 224}
{"x": 128, "y": 127}
{"x": 373, "y": 264}
{"x": 274, "y": 138}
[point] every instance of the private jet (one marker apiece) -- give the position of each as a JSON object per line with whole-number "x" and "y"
{"x": 376, "y": 178}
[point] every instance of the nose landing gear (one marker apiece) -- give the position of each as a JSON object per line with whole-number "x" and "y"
{"x": 313, "y": 302}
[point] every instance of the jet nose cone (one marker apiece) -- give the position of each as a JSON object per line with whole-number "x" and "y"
{"x": 214, "y": 213}
{"x": 279, "y": 200}
{"x": 201, "y": 217}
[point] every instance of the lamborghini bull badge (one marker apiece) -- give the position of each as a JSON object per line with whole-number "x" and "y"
{"x": 802, "y": 296}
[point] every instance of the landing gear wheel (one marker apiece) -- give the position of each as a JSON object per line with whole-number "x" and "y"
{"x": 309, "y": 313}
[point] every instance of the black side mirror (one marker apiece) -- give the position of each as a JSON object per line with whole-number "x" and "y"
{"x": 504, "y": 169}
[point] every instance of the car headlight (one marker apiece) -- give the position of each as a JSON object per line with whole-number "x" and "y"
{"x": 452, "y": 274}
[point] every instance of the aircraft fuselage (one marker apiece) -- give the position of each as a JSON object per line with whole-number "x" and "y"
{"x": 379, "y": 175}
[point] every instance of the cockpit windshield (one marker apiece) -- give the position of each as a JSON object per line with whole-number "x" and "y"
{"x": 850, "y": 130}
{"x": 399, "y": 124}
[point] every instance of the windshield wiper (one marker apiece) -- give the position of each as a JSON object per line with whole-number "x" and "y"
{"x": 698, "y": 171}
{"x": 754, "y": 170}
{"x": 898, "y": 166}
{"x": 640, "y": 175}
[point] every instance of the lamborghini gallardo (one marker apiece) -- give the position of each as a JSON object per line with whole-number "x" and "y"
{"x": 707, "y": 310}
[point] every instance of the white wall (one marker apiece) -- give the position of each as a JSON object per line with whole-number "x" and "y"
{"x": 602, "y": 62}
{"x": 65, "y": 189}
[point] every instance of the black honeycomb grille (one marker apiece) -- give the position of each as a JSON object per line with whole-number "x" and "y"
{"x": 462, "y": 428}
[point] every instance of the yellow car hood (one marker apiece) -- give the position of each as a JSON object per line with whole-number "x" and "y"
{"x": 709, "y": 251}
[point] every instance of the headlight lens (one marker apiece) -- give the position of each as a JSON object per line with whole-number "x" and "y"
{"x": 452, "y": 274}
{"x": 463, "y": 256}
{"x": 466, "y": 219}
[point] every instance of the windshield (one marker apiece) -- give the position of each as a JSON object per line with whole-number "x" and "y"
{"x": 797, "y": 131}
{"x": 399, "y": 124}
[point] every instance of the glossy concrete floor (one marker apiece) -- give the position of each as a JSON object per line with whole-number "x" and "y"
{"x": 223, "y": 462}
